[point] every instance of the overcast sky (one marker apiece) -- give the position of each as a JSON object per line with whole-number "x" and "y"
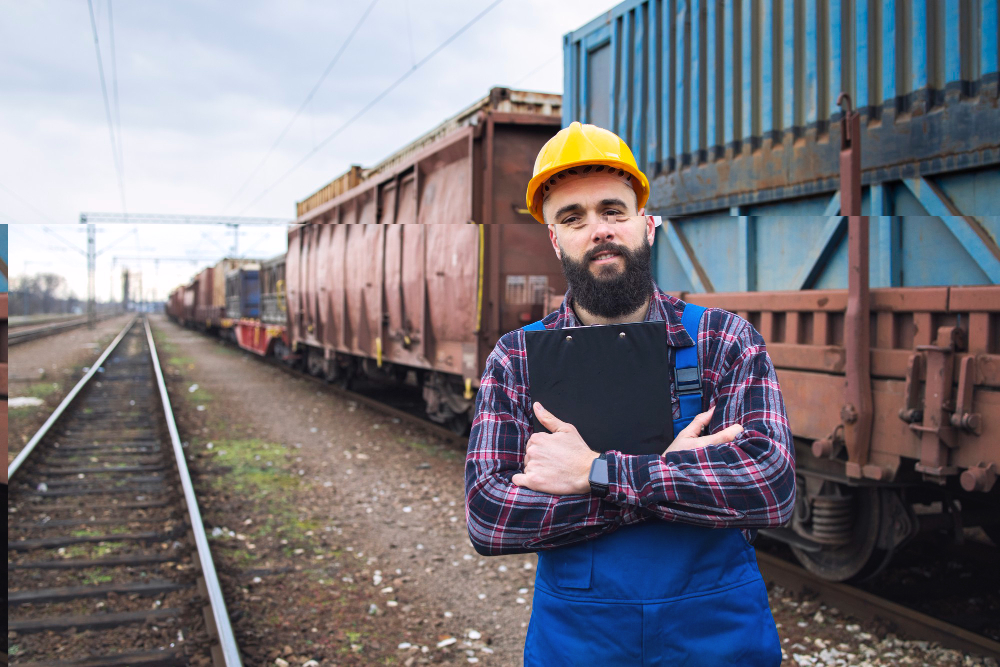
{"x": 204, "y": 90}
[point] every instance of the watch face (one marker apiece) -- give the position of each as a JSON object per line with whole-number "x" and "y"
{"x": 599, "y": 473}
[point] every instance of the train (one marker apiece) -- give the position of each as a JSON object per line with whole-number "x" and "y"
{"x": 857, "y": 232}
{"x": 738, "y": 112}
{"x": 423, "y": 271}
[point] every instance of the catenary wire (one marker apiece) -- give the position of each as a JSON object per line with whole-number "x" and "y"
{"x": 305, "y": 103}
{"x": 378, "y": 98}
{"x": 114, "y": 89}
{"x": 107, "y": 107}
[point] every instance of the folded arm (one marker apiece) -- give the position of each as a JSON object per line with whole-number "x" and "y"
{"x": 506, "y": 518}
{"x": 747, "y": 483}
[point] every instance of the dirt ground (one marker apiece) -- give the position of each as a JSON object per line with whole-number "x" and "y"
{"x": 341, "y": 535}
{"x": 47, "y": 369}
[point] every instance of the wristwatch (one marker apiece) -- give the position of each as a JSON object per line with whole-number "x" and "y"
{"x": 599, "y": 476}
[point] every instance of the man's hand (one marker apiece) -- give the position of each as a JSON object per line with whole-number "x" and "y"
{"x": 557, "y": 462}
{"x": 689, "y": 437}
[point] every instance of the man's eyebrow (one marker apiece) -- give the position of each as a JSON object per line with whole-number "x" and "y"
{"x": 567, "y": 209}
{"x": 611, "y": 201}
{"x": 614, "y": 202}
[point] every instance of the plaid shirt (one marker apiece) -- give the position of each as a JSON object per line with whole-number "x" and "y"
{"x": 747, "y": 484}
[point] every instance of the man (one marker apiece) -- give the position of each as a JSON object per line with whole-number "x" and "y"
{"x": 643, "y": 560}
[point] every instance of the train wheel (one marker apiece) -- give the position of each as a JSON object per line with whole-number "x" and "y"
{"x": 871, "y": 545}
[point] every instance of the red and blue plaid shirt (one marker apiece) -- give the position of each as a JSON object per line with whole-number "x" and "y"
{"x": 746, "y": 484}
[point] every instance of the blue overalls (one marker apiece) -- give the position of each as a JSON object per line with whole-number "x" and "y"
{"x": 654, "y": 593}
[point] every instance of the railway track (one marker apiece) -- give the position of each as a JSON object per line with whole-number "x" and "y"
{"x": 866, "y": 606}
{"x": 28, "y": 332}
{"x": 107, "y": 558}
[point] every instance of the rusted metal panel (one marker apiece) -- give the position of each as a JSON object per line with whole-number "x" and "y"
{"x": 293, "y": 285}
{"x": 954, "y": 388}
{"x": 338, "y": 186}
{"x": 205, "y": 307}
{"x": 420, "y": 253}
{"x": 735, "y": 103}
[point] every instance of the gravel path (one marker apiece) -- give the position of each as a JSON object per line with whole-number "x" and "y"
{"x": 391, "y": 495}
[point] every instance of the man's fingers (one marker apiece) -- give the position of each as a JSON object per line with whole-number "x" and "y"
{"x": 520, "y": 479}
{"x": 549, "y": 420}
{"x": 722, "y": 437}
{"x": 697, "y": 425}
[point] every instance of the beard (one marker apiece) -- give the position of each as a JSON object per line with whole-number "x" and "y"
{"x": 611, "y": 293}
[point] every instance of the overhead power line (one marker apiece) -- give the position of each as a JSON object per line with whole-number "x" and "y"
{"x": 378, "y": 98}
{"x": 114, "y": 90}
{"x": 305, "y": 102}
{"x": 107, "y": 107}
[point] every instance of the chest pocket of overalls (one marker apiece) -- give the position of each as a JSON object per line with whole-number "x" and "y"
{"x": 567, "y": 567}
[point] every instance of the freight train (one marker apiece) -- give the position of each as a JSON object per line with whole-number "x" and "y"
{"x": 892, "y": 383}
{"x": 408, "y": 271}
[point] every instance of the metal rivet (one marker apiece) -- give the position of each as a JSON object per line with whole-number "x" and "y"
{"x": 621, "y": 335}
{"x": 569, "y": 338}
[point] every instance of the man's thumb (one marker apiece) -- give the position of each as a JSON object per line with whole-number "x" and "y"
{"x": 547, "y": 419}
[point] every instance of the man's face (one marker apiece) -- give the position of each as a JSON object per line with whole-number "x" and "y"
{"x": 606, "y": 262}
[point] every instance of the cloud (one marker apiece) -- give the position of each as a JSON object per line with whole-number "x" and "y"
{"x": 206, "y": 87}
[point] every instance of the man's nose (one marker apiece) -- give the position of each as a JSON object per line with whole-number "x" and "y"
{"x": 603, "y": 231}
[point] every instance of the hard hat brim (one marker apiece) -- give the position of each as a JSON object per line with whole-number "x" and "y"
{"x": 534, "y": 199}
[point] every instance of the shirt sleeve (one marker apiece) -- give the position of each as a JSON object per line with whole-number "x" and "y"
{"x": 749, "y": 483}
{"x": 504, "y": 518}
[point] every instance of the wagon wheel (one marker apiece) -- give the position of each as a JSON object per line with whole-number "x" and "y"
{"x": 869, "y": 549}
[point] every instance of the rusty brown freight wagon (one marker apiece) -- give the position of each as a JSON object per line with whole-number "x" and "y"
{"x": 421, "y": 267}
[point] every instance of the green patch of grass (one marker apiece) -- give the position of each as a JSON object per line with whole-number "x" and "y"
{"x": 199, "y": 396}
{"x": 180, "y": 361}
{"x": 41, "y": 389}
{"x": 433, "y": 450}
{"x": 98, "y": 550}
{"x": 253, "y": 465}
{"x": 13, "y": 649}
{"x": 95, "y": 579}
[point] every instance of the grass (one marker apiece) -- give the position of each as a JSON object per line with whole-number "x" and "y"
{"x": 41, "y": 389}
{"x": 246, "y": 467}
{"x": 95, "y": 579}
{"x": 98, "y": 550}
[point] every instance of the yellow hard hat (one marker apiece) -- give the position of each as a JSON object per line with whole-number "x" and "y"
{"x": 580, "y": 145}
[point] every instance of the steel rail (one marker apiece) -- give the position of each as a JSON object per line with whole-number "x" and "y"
{"x": 35, "y": 439}
{"x": 227, "y": 640}
{"x": 32, "y": 332}
{"x": 866, "y": 606}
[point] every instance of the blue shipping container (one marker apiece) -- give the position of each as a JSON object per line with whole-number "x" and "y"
{"x": 731, "y": 109}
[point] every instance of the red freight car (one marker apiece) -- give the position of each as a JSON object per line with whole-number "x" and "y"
{"x": 420, "y": 268}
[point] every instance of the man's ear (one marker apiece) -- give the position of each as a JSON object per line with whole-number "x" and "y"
{"x": 555, "y": 241}
{"x": 650, "y": 227}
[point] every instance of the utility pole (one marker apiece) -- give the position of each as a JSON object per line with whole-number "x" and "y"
{"x": 91, "y": 271}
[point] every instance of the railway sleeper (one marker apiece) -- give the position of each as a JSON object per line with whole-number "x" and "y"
{"x": 142, "y": 588}
{"x": 136, "y": 659}
{"x": 86, "y": 563}
{"x": 96, "y": 470}
{"x": 65, "y": 541}
{"x": 92, "y": 621}
{"x": 63, "y": 523}
{"x": 91, "y": 491}
{"x": 76, "y": 482}
{"x": 140, "y": 505}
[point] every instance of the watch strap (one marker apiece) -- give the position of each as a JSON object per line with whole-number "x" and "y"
{"x": 599, "y": 476}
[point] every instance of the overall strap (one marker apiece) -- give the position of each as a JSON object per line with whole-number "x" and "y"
{"x": 535, "y": 326}
{"x": 687, "y": 377}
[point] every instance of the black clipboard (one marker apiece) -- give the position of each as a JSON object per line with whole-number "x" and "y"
{"x": 609, "y": 381}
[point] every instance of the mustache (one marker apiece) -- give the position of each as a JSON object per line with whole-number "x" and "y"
{"x": 606, "y": 247}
